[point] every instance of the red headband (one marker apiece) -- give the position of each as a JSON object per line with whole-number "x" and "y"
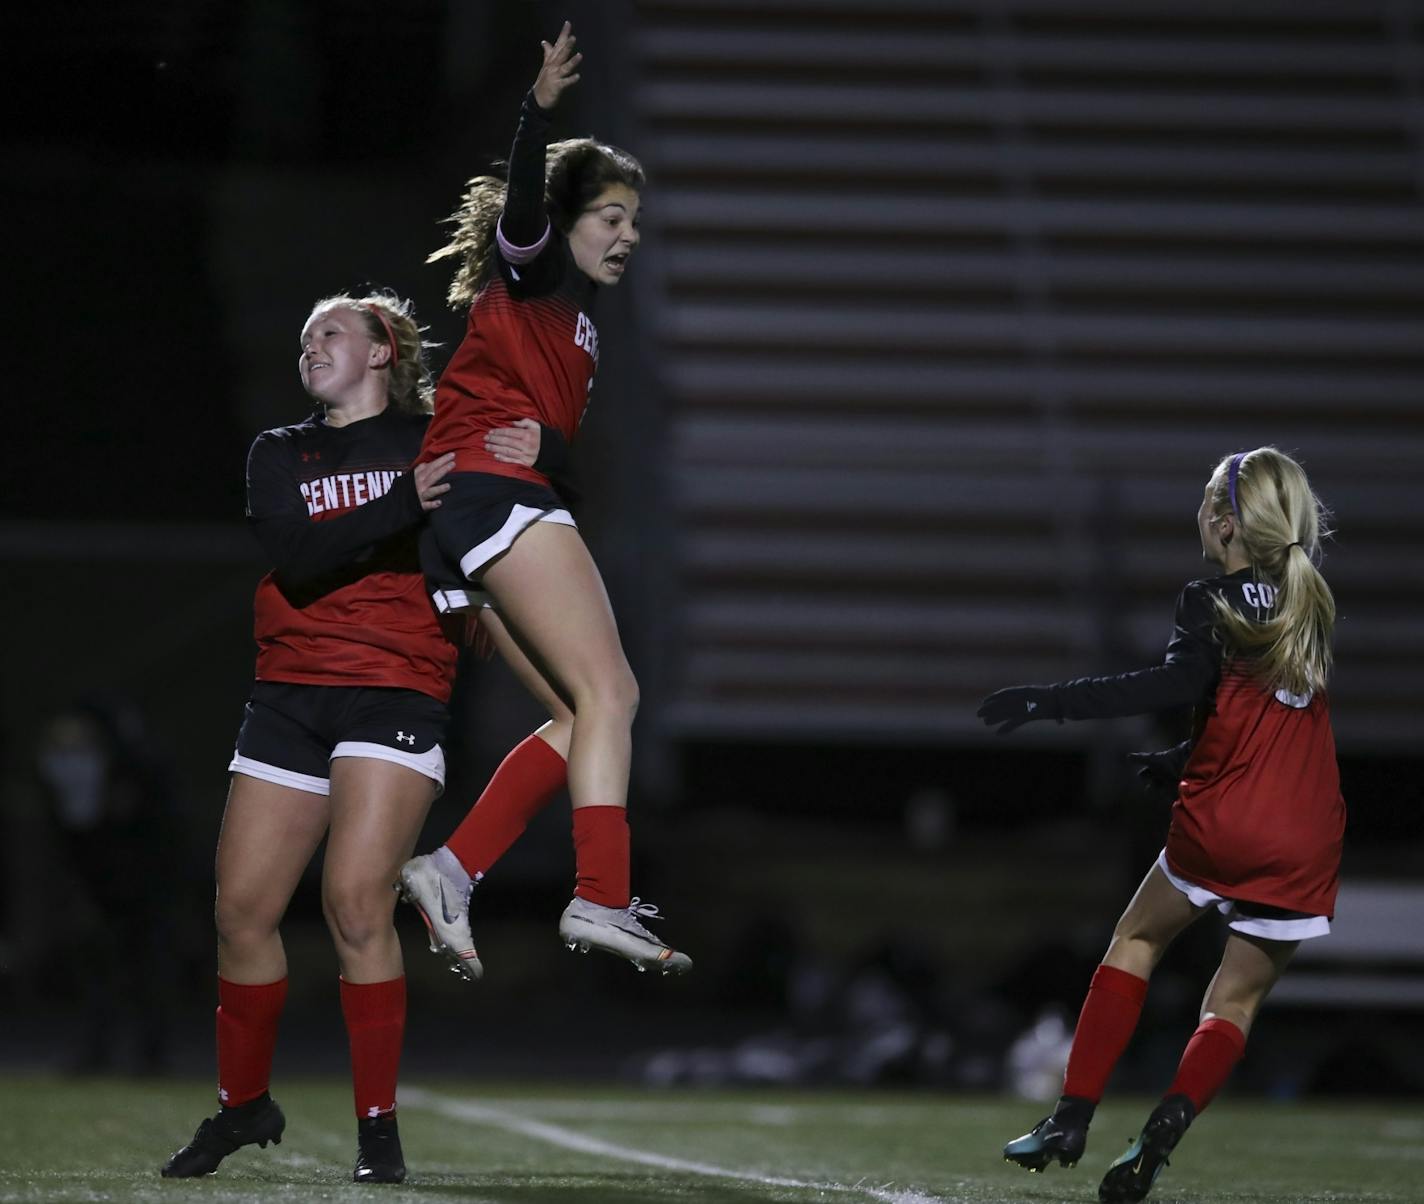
{"x": 390, "y": 334}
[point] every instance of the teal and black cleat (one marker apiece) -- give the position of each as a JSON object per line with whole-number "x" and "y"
{"x": 1131, "y": 1177}
{"x": 1061, "y": 1137}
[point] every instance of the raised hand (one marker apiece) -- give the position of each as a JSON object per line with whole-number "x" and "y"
{"x": 559, "y": 70}
{"x": 1013, "y": 707}
{"x": 428, "y": 477}
{"x": 517, "y": 444}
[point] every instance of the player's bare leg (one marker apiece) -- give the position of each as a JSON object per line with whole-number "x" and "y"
{"x": 440, "y": 884}
{"x": 1157, "y": 914}
{"x": 377, "y": 809}
{"x": 1250, "y": 967}
{"x": 548, "y": 590}
{"x": 558, "y": 732}
{"x": 269, "y": 833}
{"x": 549, "y": 593}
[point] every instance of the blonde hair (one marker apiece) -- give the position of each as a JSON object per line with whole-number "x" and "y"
{"x": 1280, "y": 523}
{"x": 410, "y": 388}
{"x": 576, "y": 172}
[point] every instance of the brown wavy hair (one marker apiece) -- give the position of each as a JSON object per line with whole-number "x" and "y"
{"x": 411, "y": 387}
{"x": 1280, "y": 523}
{"x": 576, "y": 172}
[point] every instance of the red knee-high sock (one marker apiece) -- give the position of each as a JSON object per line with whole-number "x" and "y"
{"x": 375, "y": 1025}
{"x": 247, "y": 1034}
{"x": 1208, "y": 1061}
{"x": 522, "y": 786}
{"x": 601, "y": 853}
{"x": 1105, "y": 1026}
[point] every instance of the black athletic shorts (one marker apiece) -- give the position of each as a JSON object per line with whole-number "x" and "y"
{"x": 290, "y": 733}
{"x": 477, "y": 521}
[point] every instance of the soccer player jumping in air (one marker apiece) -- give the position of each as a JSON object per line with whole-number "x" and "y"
{"x": 530, "y": 255}
{"x": 1258, "y": 820}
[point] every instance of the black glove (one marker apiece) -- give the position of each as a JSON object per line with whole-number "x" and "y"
{"x": 1018, "y": 705}
{"x": 1160, "y": 772}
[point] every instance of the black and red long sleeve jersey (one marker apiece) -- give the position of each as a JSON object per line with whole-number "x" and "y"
{"x": 530, "y": 348}
{"x": 345, "y": 603}
{"x": 1259, "y": 816}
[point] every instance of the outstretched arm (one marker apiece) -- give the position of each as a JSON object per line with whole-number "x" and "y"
{"x": 1184, "y": 677}
{"x": 524, "y": 225}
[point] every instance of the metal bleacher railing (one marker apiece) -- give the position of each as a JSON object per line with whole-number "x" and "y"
{"x": 959, "y": 300}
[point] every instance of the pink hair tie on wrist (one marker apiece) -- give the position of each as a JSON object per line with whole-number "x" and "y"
{"x": 390, "y": 334}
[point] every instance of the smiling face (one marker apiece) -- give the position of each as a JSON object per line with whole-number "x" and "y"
{"x": 605, "y": 234}
{"x": 338, "y": 355}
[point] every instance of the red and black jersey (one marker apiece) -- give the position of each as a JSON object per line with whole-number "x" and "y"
{"x": 1259, "y": 816}
{"x": 345, "y": 605}
{"x": 530, "y": 347}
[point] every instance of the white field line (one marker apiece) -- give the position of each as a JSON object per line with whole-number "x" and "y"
{"x": 557, "y": 1135}
{"x": 765, "y": 1114}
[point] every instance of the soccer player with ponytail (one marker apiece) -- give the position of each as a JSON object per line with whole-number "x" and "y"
{"x": 1258, "y": 820}
{"x": 530, "y": 254}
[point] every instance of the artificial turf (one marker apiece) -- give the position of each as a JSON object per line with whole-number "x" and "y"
{"x": 104, "y": 1139}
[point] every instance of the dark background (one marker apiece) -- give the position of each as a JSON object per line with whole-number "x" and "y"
{"x": 943, "y": 313}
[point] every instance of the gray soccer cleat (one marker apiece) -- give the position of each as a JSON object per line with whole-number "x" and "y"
{"x": 618, "y": 930}
{"x": 444, "y": 905}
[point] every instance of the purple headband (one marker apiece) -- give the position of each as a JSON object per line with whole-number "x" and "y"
{"x": 1231, "y": 480}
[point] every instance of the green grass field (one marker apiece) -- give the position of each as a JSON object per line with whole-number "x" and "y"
{"x": 69, "y": 1140}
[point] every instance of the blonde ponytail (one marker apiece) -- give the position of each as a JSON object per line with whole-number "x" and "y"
{"x": 1280, "y": 523}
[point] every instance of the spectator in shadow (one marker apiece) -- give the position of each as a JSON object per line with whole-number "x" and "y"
{"x": 110, "y": 802}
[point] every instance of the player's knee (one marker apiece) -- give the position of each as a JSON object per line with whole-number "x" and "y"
{"x": 623, "y": 693}
{"x": 1235, "y": 1000}
{"x": 241, "y": 922}
{"x": 613, "y": 693}
{"x": 1135, "y": 946}
{"x": 356, "y": 914}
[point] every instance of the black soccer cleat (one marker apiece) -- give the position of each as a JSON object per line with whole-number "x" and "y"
{"x": 378, "y": 1151}
{"x": 1131, "y": 1177}
{"x": 254, "y": 1123}
{"x": 1062, "y": 1136}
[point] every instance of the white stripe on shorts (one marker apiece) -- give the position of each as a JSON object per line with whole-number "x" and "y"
{"x": 520, "y": 518}
{"x": 1301, "y": 929}
{"x": 279, "y": 776}
{"x": 430, "y": 763}
{"x": 448, "y": 600}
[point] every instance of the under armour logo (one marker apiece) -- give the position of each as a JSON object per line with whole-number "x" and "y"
{"x": 408, "y": 739}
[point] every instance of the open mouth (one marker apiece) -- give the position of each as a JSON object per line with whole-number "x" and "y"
{"x": 617, "y": 262}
